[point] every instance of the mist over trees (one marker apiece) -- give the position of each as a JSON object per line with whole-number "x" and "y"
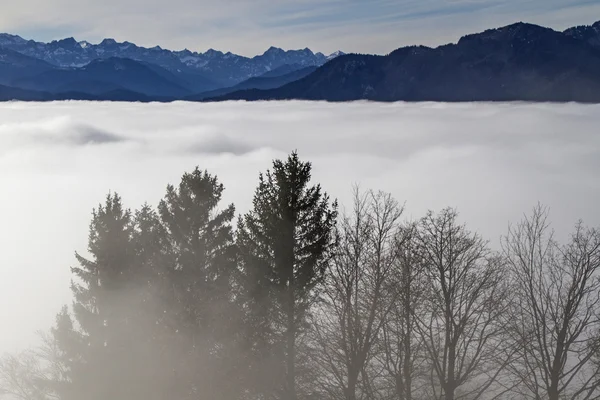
{"x": 300, "y": 299}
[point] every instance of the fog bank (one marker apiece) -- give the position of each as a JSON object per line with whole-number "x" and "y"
{"x": 59, "y": 160}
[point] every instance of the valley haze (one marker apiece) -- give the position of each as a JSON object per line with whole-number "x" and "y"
{"x": 58, "y": 160}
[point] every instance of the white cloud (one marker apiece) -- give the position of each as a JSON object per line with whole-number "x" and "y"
{"x": 58, "y": 160}
{"x": 249, "y": 27}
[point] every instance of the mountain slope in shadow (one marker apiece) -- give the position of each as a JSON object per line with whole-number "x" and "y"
{"x": 518, "y": 62}
{"x": 105, "y": 75}
{"x": 260, "y": 82}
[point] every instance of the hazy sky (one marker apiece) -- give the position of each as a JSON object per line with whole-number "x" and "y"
{"x": 249, "y": 27}
{"x": 59, "y": 160}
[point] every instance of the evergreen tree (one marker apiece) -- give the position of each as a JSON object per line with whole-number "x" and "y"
{"x": 284, "y": 244}
{"x": 95, "y": 344}
{"x": 156, "y": 309}
{"x": 201, "y": 237}
{"x": 68, "y": 358}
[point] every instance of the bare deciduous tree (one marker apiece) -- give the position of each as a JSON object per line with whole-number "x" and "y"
{"x": 17, "y": 374}
{"x": 33, "y": 374}
{"x": 358, "y": 294}
{"x": 463, "y": 323}
{"x": 556, "y": 317}
{"x": 400, "y": 346}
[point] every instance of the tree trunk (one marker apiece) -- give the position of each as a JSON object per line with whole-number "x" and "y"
{"x": 556, "y": 363}
{"x": 449, "y": 391}
{"x": 407, "y": 369}
{"x": 450, "y": 381}
{"x": 291, "y": 345}
{"x": 351, "y": 391}
{"x": 407, "y": 383}
{"x": 400, "y": 391}
{"x": 553, "y": 391}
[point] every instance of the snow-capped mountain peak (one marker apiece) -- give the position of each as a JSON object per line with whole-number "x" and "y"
{"x": 335, "y": 55}
{"x": 7, "y": 39}
{"x": 225, "y": 69}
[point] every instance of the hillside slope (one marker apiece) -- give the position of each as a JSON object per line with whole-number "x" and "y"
{"x": 517, "y": 62}
{"x": 106, "y": 75}
{"x": 260, "y": 82}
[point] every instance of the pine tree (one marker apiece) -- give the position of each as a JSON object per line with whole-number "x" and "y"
{"x": 284, "y": 244}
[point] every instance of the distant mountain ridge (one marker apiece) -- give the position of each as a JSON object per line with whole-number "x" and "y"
{"x": 589, "y": 34}
{"x": 519, "y": 62}
{"x": 104, "y": 75}
{"x": 222, "y": 69}
{"x": 14, "y": 65}
{"x": 269, "y": 80}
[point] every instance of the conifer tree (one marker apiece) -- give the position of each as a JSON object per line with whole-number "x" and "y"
{"x": 156, "y": 309}
{"x": 201, "y": 238}
{"x": 284, "y": 244}
{"x": 93, "y": 343}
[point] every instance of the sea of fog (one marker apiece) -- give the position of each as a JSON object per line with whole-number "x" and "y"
{"x": 493, "y": 162}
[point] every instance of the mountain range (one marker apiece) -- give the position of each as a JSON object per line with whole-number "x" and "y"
{"x": 517, "y": 62}
{"x": 210, "y": 70}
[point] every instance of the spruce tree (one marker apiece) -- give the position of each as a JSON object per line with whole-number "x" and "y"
{"x": 156, "y": 309}
{"x": 94, "y": 344}
{"x": 201, "y": 237}
{"x": 284, "y": 244}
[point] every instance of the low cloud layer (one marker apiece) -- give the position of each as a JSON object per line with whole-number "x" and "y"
{"x": 59, "y": 160}
{"x": 53, "y": 131}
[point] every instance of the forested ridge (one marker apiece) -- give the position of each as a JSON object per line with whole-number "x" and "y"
{"x": 517, "y": 62}
{"x": 302, "y": 299}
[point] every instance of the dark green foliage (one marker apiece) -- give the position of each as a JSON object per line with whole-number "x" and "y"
{"x": 284, "y": 245}
{"x": 172, "y": 304}
{"x": 95, "y": 348}
{"x": 168, "y": 306}
{"x": 201, "y": 237}
{"x": 154, "y": 316}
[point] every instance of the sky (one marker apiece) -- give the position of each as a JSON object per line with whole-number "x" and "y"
{"x": 492, "y": 162}
{"x": 249, "y": 27}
